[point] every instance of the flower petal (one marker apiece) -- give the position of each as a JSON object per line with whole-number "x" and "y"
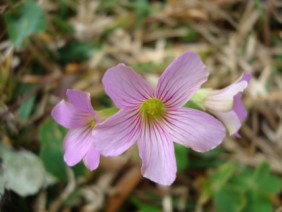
{"x": 195, "y": 129}
{"x": 81, "y": 101}
{"x": 247, "y": 76}
{"x": 125, "y": 87}
{"x": 76, "y": 144}
{"x": 230, "y": 120}
{"x": 92, "y": 158}
{"x": 66, "y": 115}
{"x": 222, "y": 100}
{"x": 237, "y": 135}
{"x": 156, "y": 150}
{"x": 117, "y": 133}
{"x": 181, "y": 79}
{"x": 239, "y": 108}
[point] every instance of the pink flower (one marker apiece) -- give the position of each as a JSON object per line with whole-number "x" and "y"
{"x": 155, "y": 117}
{"x": 226, "y": 104}
{"x": 80, "y": 118}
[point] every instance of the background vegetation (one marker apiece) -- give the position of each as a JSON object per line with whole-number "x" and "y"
{"x": 47, "y": 46}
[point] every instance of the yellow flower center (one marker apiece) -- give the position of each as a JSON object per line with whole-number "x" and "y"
{"x": 153, "y": 109}
{"x": 92, "y": 123}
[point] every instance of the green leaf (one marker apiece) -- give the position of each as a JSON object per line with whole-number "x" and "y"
{"x": 222, "y": 175}
{"x": 182, "y": 158}
{"x": 258, "y": 203}
{"x": 216, "y": 181}
{"x": 243, "y": 180}
{"x": 191, "y": 36}
{"x": 62, "y": 25}
{"x": 144, "y": 207}
{"x": 228, "y": 199}
{"x": 234, "y": 187}
{"x": 265, "y": 181}
{"x": 142, "y": 9}
{"x": 205, "y": 163}
{"x": 23, "y": 20}
{"x": 213, "y": 153}
{"x": 23, "y": 172}
{"x": 76, "y": 51}
{"x": 80, "y": 170}
{"x": 27, "y": 105}
{"x": 51, "y": 137}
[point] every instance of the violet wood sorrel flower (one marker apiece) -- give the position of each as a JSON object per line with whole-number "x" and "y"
{"x": 155, "y": 117}
{"x": 80, "y": 118}
{"x": 225, "y": 104}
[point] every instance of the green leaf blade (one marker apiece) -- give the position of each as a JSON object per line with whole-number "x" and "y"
{"x": 24, "y": 20}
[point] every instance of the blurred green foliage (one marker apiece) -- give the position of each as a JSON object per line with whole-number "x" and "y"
{"x": 144, "y": 207}
{"x": 142, "y": 9}
{"x": 51, "y": 138}
{"x": 236, "y": 188}
{"x": 182, "y": 158}
{"x": 26, "y": 107}
{"x": 23, "y": 20}
{"x": 76, "y": 51}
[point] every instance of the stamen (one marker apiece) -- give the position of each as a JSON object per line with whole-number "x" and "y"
{"x": 93, "y": 124}
{"x": 153, "y": 109}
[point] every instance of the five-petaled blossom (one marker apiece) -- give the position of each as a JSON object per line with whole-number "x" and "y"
{"x": 226, "y": 103}
{"x": 80, "y": 118}
{"x": 155, "y": 117}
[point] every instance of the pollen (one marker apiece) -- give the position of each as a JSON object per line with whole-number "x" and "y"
{"x": 153, "y": 109}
